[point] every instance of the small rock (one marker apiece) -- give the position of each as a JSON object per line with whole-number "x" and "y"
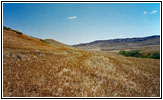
{"x": 35, "y": 57}
{"x": 41, "y": 55}
{"x": 6, "y": 55}
{"x": 66, "y": 70}
{"x": 20, "y": 56}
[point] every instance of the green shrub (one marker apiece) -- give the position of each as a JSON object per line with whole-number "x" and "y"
{"x": 122, "y": 52}
{"x": 136, "y": 53}
{"x": 156, "y": 56}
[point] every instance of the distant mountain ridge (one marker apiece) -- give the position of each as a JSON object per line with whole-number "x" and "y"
{"x": 121, "y": 43}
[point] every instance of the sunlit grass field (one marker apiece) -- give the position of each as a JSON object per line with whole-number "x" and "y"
{"x": 47, "y": 70}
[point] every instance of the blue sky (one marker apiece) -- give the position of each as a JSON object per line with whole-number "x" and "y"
{"x": 73, "y": 23}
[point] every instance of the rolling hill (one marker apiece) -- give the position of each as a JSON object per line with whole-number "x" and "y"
{"x": 122, "y": 44}
{"x": 34, "y": 67}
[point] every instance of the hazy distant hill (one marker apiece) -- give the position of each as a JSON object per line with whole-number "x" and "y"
{"x": 125, "y": 43}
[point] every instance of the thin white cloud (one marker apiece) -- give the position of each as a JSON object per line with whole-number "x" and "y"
{"x": 145, "y": 12}
{"x": 154, "y": 11}
{"x": 72, "y": 17}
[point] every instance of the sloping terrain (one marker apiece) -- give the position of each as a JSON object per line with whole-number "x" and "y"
{"x": 51, "y": 41}
{"x": 121, "y": 44}
{"x": 37, "y": 68}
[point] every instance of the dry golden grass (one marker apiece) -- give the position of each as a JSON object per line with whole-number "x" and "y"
{"x": 150, "y": 49}
{"x": 52, "y": 71}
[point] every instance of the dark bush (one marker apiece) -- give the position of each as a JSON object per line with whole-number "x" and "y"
{"x": 122, "y": 52}
{"x": 156, "y": 56}
{"x": 7, "y": 28}
{"x": 136, "y": 53}
{"x": 18, "y": 32}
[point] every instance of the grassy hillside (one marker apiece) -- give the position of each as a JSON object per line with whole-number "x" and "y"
{"x": 37, "y": 68}
{"x": 51, "y": 41}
